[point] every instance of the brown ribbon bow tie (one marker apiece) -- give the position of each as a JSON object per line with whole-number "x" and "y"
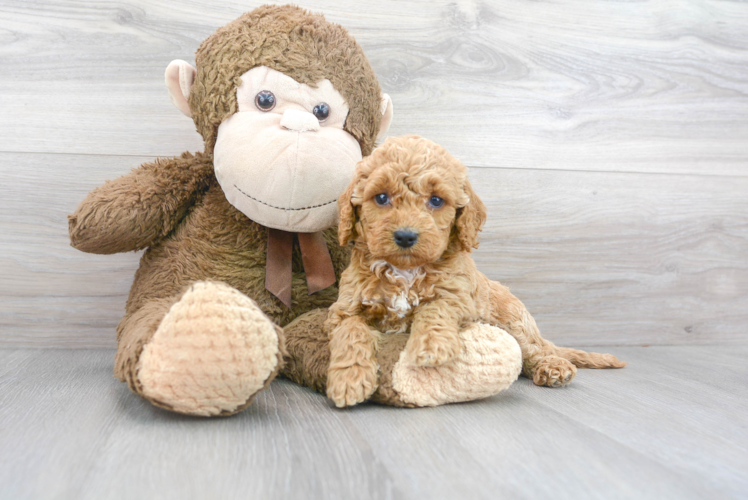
{"x": 314, "y": 254}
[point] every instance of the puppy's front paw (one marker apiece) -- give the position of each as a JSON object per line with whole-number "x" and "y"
{"x": 351, "y": 385}
{"x": 553, "y": 371}
{"x": 433, "y": 350}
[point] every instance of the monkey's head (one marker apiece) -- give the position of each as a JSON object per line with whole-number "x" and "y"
{"x": 287, "y": 103}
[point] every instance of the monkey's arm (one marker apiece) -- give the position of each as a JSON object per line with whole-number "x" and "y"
{"x": 138, "y": 209}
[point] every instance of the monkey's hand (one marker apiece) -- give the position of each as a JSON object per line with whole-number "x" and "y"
{"x": 140, "y": 208}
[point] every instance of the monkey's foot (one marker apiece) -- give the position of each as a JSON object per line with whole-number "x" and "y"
{"x": 489, "y": 361}
{"x": 553, "y": 371}
{"x": 213, "y": 351}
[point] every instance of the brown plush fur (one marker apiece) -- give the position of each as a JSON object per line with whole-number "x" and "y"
{"x": 293, "y": 41}
{"x": 177, "y": 210}
{"x": 432, "y": 289}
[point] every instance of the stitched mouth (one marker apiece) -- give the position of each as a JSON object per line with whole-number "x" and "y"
{"x": 283, "y": 208}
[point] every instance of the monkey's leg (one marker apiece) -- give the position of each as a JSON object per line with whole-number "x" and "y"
{"x": 489, "y": 361}
{"x": 307, "y": 351}
{"x": 543, "y": 362}
{"x": 207, "y": 352}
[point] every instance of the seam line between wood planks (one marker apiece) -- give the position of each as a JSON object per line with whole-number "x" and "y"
{"x": 536, "y": 169}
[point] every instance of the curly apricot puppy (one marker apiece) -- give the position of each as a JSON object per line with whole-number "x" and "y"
{"x": 415, "y": 219}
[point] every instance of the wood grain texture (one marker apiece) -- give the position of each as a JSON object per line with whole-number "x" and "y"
{"x": 598, "y": 258}
{"x": 607, "y": 139}
{"x": 670, "y": 425}
{"x": 656, "y": 86}
{"x": 620, "y": 258}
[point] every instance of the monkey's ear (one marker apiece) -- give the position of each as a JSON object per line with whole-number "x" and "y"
{"x": 179, "y": 76}
{"x": 387, "y": 113}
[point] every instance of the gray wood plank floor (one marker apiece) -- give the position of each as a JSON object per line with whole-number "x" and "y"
{"x": 673, "y": 424}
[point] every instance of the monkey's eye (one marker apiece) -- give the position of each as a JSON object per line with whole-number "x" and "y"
{"x": 382, "y": 199}
{"x": 321, "y": 111}
{"x": 435, "y": 202}
{"x": 265, "y": 100}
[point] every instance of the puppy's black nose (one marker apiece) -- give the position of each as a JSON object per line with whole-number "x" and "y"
{"x": 405, "y": 238}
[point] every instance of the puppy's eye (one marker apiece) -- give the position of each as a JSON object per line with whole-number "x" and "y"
{"x": 382, "y": 199}
{"x": 321, "y": 111}
{"x": 435, "y": 202}
{"x": 265, "y": 100}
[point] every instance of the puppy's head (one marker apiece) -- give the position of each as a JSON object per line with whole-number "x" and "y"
{"x": 409, "y": 202}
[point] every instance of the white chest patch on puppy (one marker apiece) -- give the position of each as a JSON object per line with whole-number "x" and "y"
{"x": 407, "y": 275}
{"x": 400, "y": 303}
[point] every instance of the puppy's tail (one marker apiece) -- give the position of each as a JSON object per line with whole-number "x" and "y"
{"x": 583, "y": 359}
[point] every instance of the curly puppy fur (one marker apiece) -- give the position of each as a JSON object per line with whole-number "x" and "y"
{"x": 432, "y": 289}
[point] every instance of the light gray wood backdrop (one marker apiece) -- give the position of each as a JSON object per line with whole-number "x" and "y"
{"x": 608, "y": 139}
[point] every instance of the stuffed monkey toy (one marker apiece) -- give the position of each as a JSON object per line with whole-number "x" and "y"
{"x": 241, "y": 256}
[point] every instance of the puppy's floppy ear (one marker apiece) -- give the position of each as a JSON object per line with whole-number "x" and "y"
{"x": 347, "y": 213}
{"x": 470, "y": 219}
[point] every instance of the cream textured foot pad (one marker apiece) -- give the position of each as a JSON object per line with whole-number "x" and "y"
{"x": 490, "y": 361}
{"x": 212, "y": 352}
